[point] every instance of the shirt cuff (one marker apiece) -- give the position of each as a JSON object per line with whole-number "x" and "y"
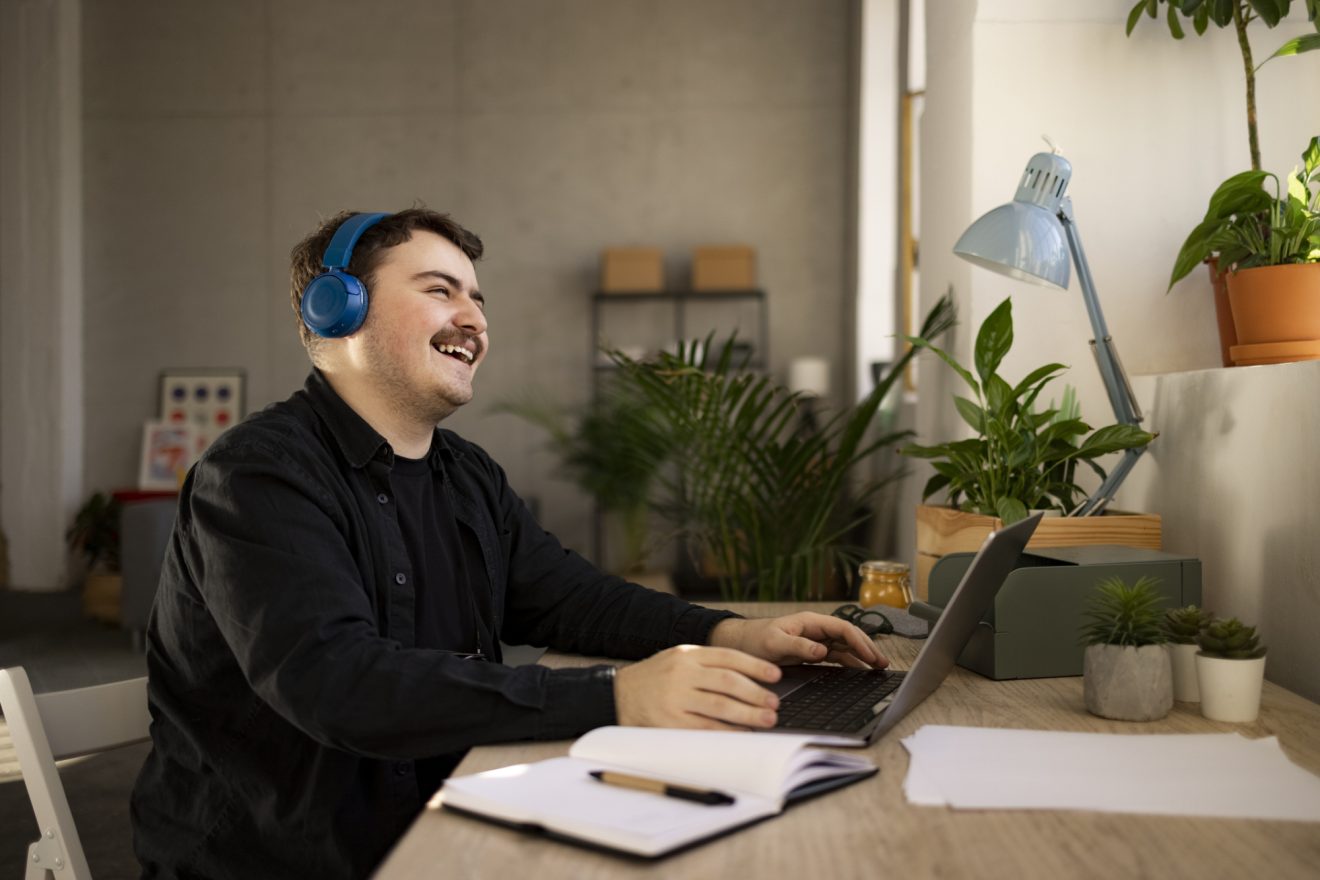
{"x": 577, "y": 700}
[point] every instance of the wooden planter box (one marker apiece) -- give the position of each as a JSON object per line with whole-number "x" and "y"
{"x": 942, "y": 530}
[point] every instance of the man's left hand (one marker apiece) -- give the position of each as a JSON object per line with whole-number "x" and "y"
{"x": 805, "y": 637}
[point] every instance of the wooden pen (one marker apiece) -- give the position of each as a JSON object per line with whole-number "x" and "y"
{"x": 709, "y": 797}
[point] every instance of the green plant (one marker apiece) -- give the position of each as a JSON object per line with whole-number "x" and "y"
{"x": 1182, "y": 626}
{"x": 1240, "y": 14}
{"x": 94, "y": 534}
{"x": 1231, "y": 639}
{"x": 1247, "y": 226}
{"x": 1124, "y": 614}
{"x": 1021, "y": 458}
{"x": 764, "y": 494}
{"x": 613, "y": 450}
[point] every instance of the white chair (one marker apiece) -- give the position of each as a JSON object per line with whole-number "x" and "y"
{"x": 49, "y": 727}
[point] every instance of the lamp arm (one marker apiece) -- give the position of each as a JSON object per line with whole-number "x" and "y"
{"x": 1121, "y": 398}
{"x": 1100, "y": 498}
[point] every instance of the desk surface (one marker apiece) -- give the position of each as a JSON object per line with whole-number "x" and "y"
{"x": 870, "y": 830}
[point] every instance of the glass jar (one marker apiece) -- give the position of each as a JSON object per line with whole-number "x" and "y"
{"x": 884, "y": 583}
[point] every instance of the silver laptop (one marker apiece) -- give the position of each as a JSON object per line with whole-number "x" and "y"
{"x": 842, "y": 706}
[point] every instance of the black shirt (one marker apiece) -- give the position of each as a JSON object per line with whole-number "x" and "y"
{"x": 290, "y": 695}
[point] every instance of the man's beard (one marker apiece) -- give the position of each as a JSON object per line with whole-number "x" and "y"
{"x": 428, "y": 406}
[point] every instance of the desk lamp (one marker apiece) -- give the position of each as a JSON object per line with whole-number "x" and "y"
{"x": 1026, "y": 239}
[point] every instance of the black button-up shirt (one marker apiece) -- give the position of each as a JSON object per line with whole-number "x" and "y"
{"x": 289, "y": 699}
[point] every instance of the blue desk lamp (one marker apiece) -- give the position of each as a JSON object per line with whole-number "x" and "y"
{"x": 1031, "y": 239}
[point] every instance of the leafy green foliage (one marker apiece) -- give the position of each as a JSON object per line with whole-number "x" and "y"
{"x": 1231, "y": 640}
{"x": 1183, "y": 625}
{"x": 1124, "y": 614}
{"x": 1247, "y": 226}
{"x": 754, "y": 488}
{"x": 1021, "y": 458}
{"x": 613, "y": 450}
{"x": 95, "y": 532}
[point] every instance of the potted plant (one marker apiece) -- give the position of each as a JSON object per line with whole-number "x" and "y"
{"x": 1267, "y": 239}
{"x": 1182, "y": 627}
{"x": 1023, "y": 457}
{"x": 1230, "y": 669}
{"x": 613, "y": 450}
{"x": 1238, "y": 14}
{"x": 1126, "y": 672}
{"x": 94, "y": 539}
{"x": 761, "y": 492}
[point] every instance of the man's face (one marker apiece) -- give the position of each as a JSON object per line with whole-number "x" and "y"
{"x": 425, "y": 333}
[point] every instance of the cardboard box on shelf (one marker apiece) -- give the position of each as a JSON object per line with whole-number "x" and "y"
{"x": 724, "y": 267}
{"x": 632, "y": 270}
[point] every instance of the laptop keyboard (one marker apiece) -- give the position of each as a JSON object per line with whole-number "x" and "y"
{"x": 839, "y": 701}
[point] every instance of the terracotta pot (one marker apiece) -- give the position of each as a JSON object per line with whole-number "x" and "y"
{"x": 1223, "y": 311}
{"x": 1275, "y": 303}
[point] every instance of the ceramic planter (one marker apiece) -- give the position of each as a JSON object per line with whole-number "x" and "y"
{"x": 1276, "y": 313}
{"x": 1127, "y": 683}
{"x": 1183, "y": 658}
{"x": 1230, "y": 689}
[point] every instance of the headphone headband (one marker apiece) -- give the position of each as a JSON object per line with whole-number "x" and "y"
{"x": 340, "y": 250}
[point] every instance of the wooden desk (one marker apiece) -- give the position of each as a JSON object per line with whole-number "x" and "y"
{"x": 869, "y": 830}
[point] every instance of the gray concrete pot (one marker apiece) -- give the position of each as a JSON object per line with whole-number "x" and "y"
{"x": 1126, "y": 683}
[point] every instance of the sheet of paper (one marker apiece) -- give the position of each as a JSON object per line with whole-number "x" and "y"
{"x": 1223, "y": 775}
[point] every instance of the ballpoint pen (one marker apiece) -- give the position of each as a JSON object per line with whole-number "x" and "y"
{"x": 708, "y": 797}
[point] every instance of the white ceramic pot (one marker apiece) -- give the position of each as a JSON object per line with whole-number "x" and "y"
{"x": 1127, "y": 683}
{"x": 1230, "y": 689}
{"x": 1184, "y": 672}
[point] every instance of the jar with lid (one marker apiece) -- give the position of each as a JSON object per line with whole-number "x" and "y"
{"x": 884, "y": 583}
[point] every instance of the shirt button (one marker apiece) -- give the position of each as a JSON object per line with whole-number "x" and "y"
{"x": 401, "y": 579}
{"x": 401, "y": 768}
{"x": 383, "y": 498}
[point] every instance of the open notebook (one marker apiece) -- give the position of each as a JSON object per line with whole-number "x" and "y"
{"x": 559, "y": 798}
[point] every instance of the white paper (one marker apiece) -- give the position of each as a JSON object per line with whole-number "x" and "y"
{"x": 1225, "y": 775}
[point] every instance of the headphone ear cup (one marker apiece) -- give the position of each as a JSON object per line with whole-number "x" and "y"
{"x": 334, "y": 304}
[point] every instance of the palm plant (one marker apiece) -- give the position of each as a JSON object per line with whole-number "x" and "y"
{"x": 758, "y": 491}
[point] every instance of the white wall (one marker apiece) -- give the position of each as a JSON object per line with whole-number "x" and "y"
{"x": 1150, "y": 125}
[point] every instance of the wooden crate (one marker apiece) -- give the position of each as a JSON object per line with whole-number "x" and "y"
{"x": 942, "y": 530}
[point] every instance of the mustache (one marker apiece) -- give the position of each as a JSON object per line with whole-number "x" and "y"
{"x": 458, "y": 337}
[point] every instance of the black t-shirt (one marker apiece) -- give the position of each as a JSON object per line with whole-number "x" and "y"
{"x": 442, "y": 577}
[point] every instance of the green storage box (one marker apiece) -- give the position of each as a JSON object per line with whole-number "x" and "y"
{"x": 1033, "y": 630}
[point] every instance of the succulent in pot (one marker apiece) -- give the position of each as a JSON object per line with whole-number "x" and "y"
{"x": 1230, "y": 671}
{"x": 1126, "y": 672}
{"x": 1182, "y": 627}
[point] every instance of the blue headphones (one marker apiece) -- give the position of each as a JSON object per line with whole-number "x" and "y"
{"x": 335, "y": 302}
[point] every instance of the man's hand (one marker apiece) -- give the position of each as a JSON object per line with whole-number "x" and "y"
{"x": 693, "y": 686}
{"x": 805, "y": 637}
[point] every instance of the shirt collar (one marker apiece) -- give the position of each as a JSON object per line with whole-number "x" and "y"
{"x": 358, "y": 441}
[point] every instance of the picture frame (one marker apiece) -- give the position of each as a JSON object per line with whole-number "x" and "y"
{"x": 210, "y": 399}
{"x": 168, "y": 450}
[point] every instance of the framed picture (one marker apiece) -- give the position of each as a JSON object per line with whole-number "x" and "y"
{"x": 210, "y": 400}
{"x": 168, "y": 450}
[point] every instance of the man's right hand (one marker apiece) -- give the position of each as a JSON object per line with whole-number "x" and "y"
{"x": 694, "y": 686}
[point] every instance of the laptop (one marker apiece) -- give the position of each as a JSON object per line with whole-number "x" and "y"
{"x": 843, "y": 706}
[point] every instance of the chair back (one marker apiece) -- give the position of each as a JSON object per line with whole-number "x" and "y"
{"x": 49, "y": 727}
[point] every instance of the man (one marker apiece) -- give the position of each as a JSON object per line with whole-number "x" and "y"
{"x": 325, "y": 643}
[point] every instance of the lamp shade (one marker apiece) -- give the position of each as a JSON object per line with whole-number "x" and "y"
{"x": 1024, "y": 239}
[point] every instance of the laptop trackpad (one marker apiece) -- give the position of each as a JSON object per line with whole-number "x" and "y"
{"x": 794, "y": 677}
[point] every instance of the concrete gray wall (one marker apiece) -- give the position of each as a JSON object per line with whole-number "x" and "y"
{"x": 216, "y": 135}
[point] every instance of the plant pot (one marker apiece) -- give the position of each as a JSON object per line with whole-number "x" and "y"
{"x": 102, "y": 596}
{"x": 1127, "y": 683}
{"x": 1223, "y": 312}
{"x": 1183, "y": 658}
{"x": 942, "y": 530}
{"x": 1230, "y": 689}
{"x": 1274, "y": 309}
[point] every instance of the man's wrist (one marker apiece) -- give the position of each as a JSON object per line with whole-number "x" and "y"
{"x": 727, "y": 633}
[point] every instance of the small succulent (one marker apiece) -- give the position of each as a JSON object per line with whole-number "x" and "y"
{"x": 1123, "y": 614}
{"x": 1231, "y": 639}
{"x": 1182, "y": 626}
